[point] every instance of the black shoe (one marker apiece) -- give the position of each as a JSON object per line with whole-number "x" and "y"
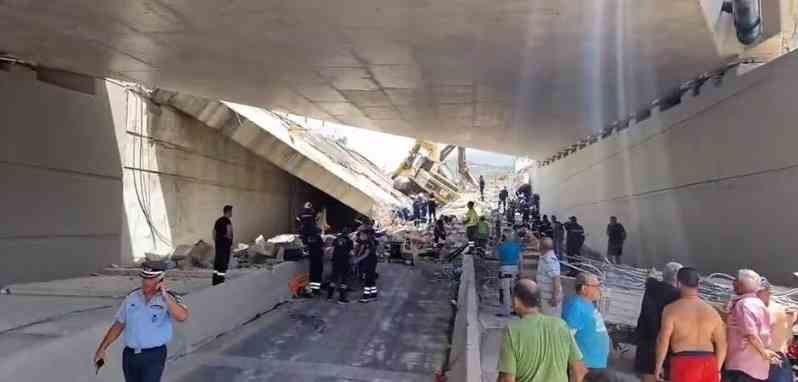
{"x": 366, "y": 298}
{"x": 343, "y": 301}
{"x": 330, "y": 294}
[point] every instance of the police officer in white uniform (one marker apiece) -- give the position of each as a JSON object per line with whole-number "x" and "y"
{"x": 145, "y": 317}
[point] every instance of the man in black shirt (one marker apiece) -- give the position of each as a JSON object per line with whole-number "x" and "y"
{"x": 657, "y": 295}
{"x": 307, "y": 221}
{"x": 545, "y": 227}
{"x": 432, "y": 206}
{"x": 223, "y": 241}
{"x": 616, "y": 235}
{"x": 503, "y": 194}
{"x": 558, "y": 234}
{"x": 342, "y": 253}
{"x": 574, "y": 238}
{"x": 367, "y": 250}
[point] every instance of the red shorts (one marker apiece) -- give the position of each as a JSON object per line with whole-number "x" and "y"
{"x": 694, "y": 366}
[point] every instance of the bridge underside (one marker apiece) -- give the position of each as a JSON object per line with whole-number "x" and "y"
{"x": 523, "y": 77}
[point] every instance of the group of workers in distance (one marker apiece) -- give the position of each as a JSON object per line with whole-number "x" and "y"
{"x": 568, "y": 237}
{"x": 363, "y": 249}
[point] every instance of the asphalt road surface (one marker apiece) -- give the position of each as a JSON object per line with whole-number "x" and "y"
{"x": 403, "y": 336}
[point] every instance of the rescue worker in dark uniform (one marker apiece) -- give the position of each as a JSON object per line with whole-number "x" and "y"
{"x": 525, "y": 190}
{"x": 503, "y": 194}
{"x": 307, "y": 222}
{"x": 315, "y": 246}
{"x": 574, "y": 238}
{"x": 367, "y": 248}
{"x": 342, "y": 254}
{"x": 558, "y": 234}
{"x": 223, "y": 242}
{"x": 616, "y": 235}
{"x": 524, "y": 205}
{"x": 439, "y": 231}
{"x": 432, "y": 207}
{"x": 545, "y": 227}
{"x": 510, "y": 212}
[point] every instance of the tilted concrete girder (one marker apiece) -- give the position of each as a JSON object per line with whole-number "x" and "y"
{"x": 359, "y": 185}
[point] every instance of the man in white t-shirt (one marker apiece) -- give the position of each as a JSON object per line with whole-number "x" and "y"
{"x": 548, "y": 279}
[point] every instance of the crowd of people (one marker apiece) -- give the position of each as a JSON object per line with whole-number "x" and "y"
{"x": 679, "y": 337}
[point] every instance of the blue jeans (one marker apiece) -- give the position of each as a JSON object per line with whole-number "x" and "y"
{"x": 781, "y": 373}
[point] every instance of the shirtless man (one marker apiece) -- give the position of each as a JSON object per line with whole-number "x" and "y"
{"x": 694, "y": 333}
{"x": 781, "y": 322}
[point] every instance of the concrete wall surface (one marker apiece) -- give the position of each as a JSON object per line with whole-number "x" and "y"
{"x": 464, "y": 356}
{"x": 99, "y": 179}
{"x": 62, "y": 180}
{"x": 710, "y": 182}
{"x": 214, "y": 311}
{"x": 181, "y": 172}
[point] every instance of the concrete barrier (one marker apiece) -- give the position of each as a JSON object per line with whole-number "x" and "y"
{"x": 214, "y": 311}
{"x": 464, "y": 357}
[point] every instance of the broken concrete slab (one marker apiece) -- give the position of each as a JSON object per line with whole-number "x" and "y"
{"x": 201, "y": 255}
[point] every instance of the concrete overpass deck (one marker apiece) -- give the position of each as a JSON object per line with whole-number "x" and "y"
{"x": 401, "y": 337}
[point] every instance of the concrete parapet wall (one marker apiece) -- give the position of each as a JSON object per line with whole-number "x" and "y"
{"x": 710, "y": 182}
{"x": 214, "y": 311}
{"x": 464, "y": 357}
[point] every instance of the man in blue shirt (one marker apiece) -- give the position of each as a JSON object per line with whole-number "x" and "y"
{"x": 145, "y": 317}
{"x": 587, "y": 325}
{"x": 509, "y": 253}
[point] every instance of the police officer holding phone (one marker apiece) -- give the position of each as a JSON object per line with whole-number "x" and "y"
{"x": 145, "y": 317}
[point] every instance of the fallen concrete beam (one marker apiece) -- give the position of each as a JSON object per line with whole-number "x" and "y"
{"x": 350, "y": 180}
{"x": 214, "y": 311}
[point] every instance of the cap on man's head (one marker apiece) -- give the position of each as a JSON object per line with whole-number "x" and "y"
{"x": 152, "y": 269}
{"x": 308, "y": 205}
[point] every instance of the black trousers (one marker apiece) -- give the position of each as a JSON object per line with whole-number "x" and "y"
{"x": 146, "y": 366}
{"x": 433, "y": 216}
{"x": 221, "y": 261}
{"x": 369, "y": 269}
{"x": 340, "y": 276}
{"x": 316, "y": 268}
{"x": 471, "y": 233}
